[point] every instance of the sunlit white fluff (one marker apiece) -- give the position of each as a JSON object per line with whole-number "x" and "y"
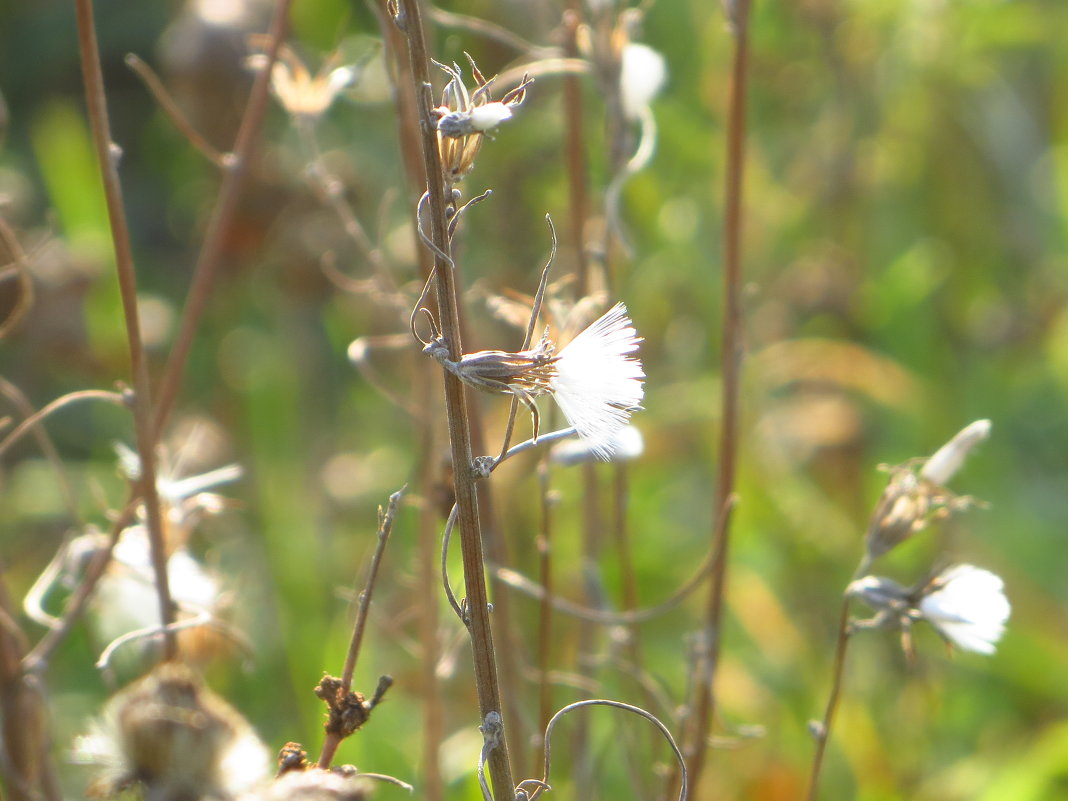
{"x": 968, "y": 607}
{"x": 598, "y": 383}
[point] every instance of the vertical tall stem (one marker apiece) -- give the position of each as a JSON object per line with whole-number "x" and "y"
{"x": 108, "y": 156}
{"x": 574, "y": 148}
{"x": 222, "y": 214}
{"x": 485, "y": 666}
{"x": 823, "y": 733}
{"x": 732, "y": 367}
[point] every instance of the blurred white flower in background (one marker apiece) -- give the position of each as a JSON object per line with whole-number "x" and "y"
{"x": 642, "y": 74}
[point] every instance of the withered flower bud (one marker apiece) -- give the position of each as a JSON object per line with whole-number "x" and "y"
{"x": 912, "y": 499}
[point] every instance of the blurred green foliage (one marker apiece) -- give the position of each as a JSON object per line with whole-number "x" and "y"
{"x": 905, "y": 271}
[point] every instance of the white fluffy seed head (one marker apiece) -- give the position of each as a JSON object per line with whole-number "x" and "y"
{"x": 598, "y": 381}
{"x": 968, "y": 607}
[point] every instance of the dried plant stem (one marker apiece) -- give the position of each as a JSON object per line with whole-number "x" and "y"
{"x": 37, "y": 659}
{"x": 620, "y": 494}
{"x": 145, "y": 433}
{"x": 48, "y": 448}
{"x": 524, "y": 585}
{"x": 25, "y": 751}
{"x": 333, "y": 193}
{"x": 433, "y": 728}
{"x": 225, "y": 205}
{"x": 823, "y": 731}
{"x": 732, "y": 366}
{"x": 588, "y": 634}
{"x": 574, "y": 148}
{"x": 545, "y": 608}
{"x": 62, "y": 402}
{"x": 170, "y": 108}
{"x": 20, "y": 265}
{"x": 385, "y": 526}
{"x": 484, "y": 658}
{"x": 451, "y": 19}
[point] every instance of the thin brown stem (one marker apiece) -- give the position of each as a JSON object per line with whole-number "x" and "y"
{"x": 822, "y": 731}
{"x": 575, "y": 150}
{"x": 545, "y": 608}
{"x": 450, "y": 19}
{"x": 174, "y": 113}
{"x": 732, "y": 367}
{"x": 433, "y": 728}
{"x": 222, "y": 214}
{"x": 48, "y": 448}
{"x": 25, "y": 750}
{"x": 108, "y": 155}
{"x": 25, "y": 280}
{"x": 516, "y": 581}
{"x": 31, "y": 421}
{"x": 385, "y": 526}
{"x": 37, "y": 659}
{"x": 485, "y": 666}
{"x": 333, "y": 193}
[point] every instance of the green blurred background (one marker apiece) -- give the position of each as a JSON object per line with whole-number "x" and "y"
{"x": 905, "y": 273}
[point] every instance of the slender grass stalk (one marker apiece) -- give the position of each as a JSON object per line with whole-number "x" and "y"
{"x": 484, "y": 658}
{"x": 544, "y": 546}
{"x": 732, "y": 367}
{"x": 385, "y": 526}
{"x": 108, "y": 155}
{"x": 574, "y": 148}
{"x": 25, "y": 751}
{"x": 174, "y": 112}
{"x": 37, "y": 659}
{"x": 32, "y": 421}
{"x": 433, "y": 713}
{"x": 210, "y": 256}
{"x": 823, "y": 731}
{"x": 44, "y": 442}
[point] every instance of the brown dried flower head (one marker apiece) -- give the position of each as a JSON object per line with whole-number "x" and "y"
{"x": 465, "y": 118}
{"x": 177, "y": 740}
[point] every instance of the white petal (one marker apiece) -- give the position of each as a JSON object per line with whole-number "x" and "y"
{"x": 948, "y": 459}
{"x": 969, "y": 607}
{"x": 598, "y": 384}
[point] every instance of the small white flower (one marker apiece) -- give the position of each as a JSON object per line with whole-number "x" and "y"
{"x": 598, "y": 383}
{"x": 968, "y": 607}
{"x": 948, "y": 459}
{"x": 642, "y": 75}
